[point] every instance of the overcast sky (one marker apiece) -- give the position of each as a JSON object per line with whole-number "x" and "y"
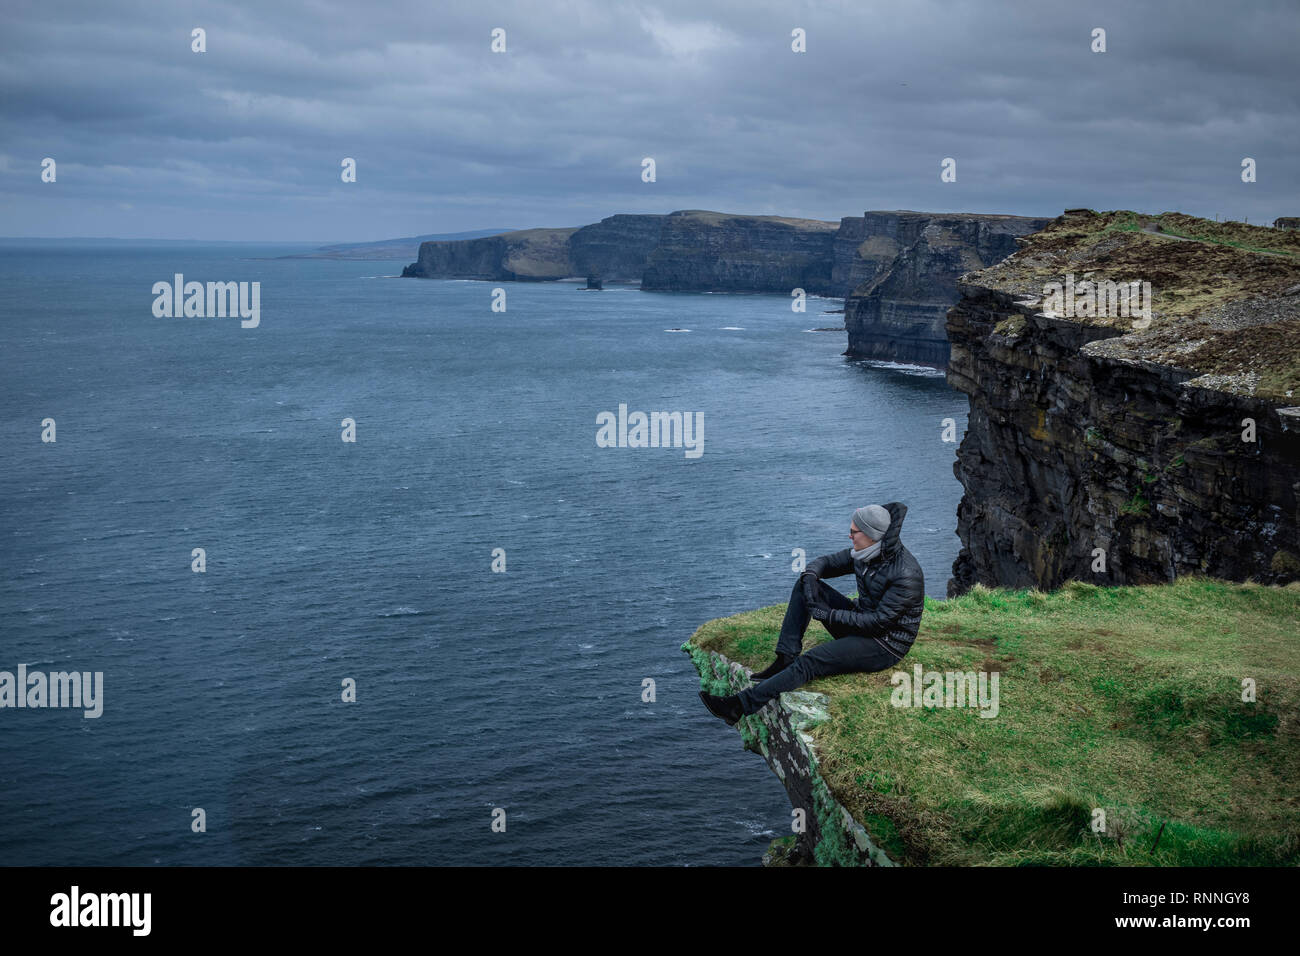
{"x": 245, "y": 140}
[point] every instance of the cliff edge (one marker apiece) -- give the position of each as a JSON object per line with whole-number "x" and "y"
{"x": 525, "y": 255}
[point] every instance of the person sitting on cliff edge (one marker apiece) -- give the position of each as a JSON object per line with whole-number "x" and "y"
{"x": 871, "y": 635}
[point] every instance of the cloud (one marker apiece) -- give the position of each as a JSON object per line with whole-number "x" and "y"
{"x": 246, "y": 139}
{"x": 684, "y": 39}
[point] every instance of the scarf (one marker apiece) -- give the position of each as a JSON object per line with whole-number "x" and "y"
{"x": 866, "y": 553}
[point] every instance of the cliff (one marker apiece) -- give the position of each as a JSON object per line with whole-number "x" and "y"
{"x": 702, "y": 251}
{"x": 1106, "y": 452}
{"x": 898, "y": 270}
{"x": 1163, "y": 755}
{"x": 616, "y": 248}
{"x": 524, "y": 255}
{"x": 903, "y": 272}
{"x": 691, "y": 250}
{"x": 864, "y": 248}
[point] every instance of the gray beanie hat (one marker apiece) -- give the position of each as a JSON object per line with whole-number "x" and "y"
{"x": 873, "y": 520}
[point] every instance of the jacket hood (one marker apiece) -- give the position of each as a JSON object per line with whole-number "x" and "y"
{"x": 890, "y": 544}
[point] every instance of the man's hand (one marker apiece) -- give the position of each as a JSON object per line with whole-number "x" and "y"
{"x": 820, "y": 611}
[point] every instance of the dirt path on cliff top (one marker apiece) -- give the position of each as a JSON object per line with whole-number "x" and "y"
{"x": 1153, "y": 229}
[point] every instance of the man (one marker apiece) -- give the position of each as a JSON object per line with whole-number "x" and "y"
{"x": 872, "y": 635}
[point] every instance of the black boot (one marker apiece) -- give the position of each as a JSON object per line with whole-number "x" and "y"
{"x": 781, "y": 663}
{"x": 728, "y": 708}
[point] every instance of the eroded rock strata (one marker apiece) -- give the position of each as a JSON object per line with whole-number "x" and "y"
{"x": 701, "y": 251}
{"x": 905, "y": 271}
{"x": 616, "y": 248}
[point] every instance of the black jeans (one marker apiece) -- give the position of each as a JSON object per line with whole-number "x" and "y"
{"x": 848, "y": 653}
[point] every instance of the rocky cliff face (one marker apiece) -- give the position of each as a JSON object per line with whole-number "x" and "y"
{"x": 528, "y": 254}
{"x": 701, "y": 251}
{"x": 906, "y": 267}
{"x": 616, "y": 248}
{"x": 1106, "y": 452}
{"x": 780, "y": 733}
{"x": 864, "y": 247}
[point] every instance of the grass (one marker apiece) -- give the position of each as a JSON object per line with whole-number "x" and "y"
{"x": 1137, "y": 505}
{"x": 1125, "y": 700}
{"x": 1263, "y": 239}
{"x": 1234, "y": 234}
{"x": 1012, "y": 325}
{"x": 1125, "y": 221}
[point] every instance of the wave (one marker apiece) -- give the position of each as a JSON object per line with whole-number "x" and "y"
{"x": 403, "y": 612}
{"x": 757, "y": 828}
{"x": 926, "y": 370}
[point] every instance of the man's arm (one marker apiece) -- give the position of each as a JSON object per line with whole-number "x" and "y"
{"x": 833, "y": 565}
{"x": 902, "y": 594}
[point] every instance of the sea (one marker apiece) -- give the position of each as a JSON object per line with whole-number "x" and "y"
{"x": 454, "y": 639}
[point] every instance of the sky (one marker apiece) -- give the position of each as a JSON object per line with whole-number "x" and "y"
{"x": 245, "y": 140}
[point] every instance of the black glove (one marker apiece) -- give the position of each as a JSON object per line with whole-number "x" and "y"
{"x": 820, "y": 611}
{"x": 809, "y": 581}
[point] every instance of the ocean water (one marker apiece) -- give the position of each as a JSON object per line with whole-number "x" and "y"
{"x": 372, "y": 561}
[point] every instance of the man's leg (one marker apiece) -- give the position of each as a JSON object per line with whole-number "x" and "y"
{"x": 798, "y": 614}
{"x": 841, "y": 656}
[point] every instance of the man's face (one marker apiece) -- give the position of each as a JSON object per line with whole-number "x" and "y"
{"x": 859, "y": 538}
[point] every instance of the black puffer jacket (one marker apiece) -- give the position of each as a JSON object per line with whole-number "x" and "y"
{"x": 891, "y": 589}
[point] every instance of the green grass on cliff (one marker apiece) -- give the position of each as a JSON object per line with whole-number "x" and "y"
{"x": 1127, "y": 700}
{"x": 1239, "y": 235}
